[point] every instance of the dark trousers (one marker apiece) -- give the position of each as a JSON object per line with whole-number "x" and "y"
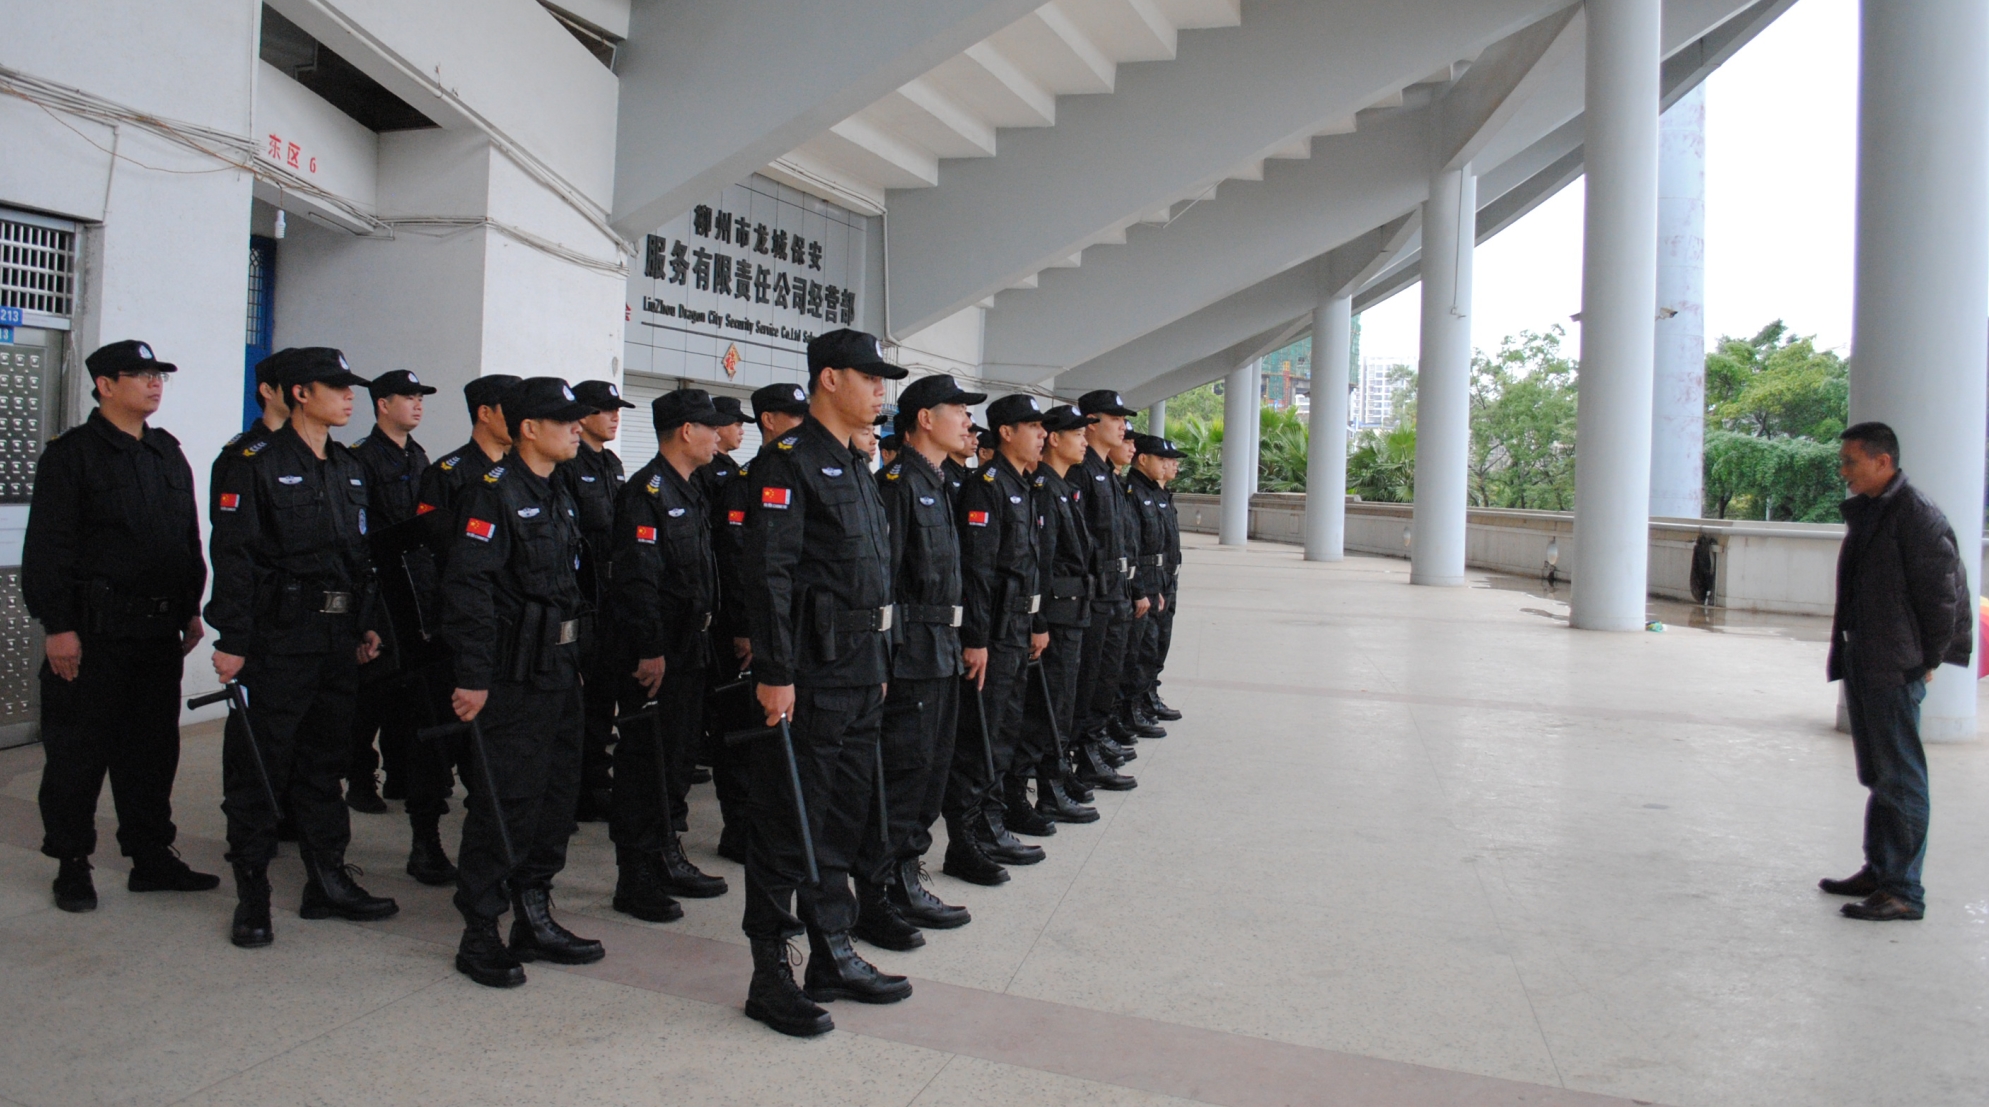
{"x": 1165, "y": 637}
{"x": 1001, "y": 695}
{"x": 1041, "y": 753}
{"x": 597, "y": 759}
{"x": 432, "y": 764}
{"x": 835, "y": 732}
{"x": 917, "y": 737}
{"x": 120, "y": 717}
{"x": 300, "y": 706}
{"x": 653, "y": 778}
{"x": 1885, "y": 735}
{"x": 1104, "y": 652}
{"x": 390, "y": 709}
{"x": 730, "y": 765}
{"x": 1142, "y": 648}
{"x": 533, "y": 737}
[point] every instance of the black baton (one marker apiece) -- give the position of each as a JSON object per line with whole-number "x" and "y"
{"x": 1050, "y": 708}
{"x": 482, "y": 751}
{"x": 740, "y": 738}
{"x": 987, "y": 740}
{"x": 238, "y": 706}
{"x": 653, "y": 715}
{"x": 883, "y": 811}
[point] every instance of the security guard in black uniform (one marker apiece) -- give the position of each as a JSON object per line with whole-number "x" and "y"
{"x": 594, "y": 479}
{"x": 727, "y": 658}
{"x": 777, "y": 409}
{"x": 818, "y": 595}
{"x": 112, "y": 569}
{"x": 1112, "y": 602}
{"x": 1156, "y": 706}
{"x": 1001, "y": 631}
{"x": 443, "y": 483}
{"x": 664, "y": 592}
{"x": 1147, "y": 491}
{"x": 291, "y": 606}
{"x": 388, "y": 707}
{"x": 921, "y": 705}
{"x": 1142, "y": 541}
{"x": 275, "y": 413}
{"x": 513, "y": 615}
{"x": 1067, "y": 589}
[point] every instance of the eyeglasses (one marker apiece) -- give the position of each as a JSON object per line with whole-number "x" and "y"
{"x": 147, "y": 375}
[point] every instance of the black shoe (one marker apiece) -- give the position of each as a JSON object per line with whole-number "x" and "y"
{"x": 394, "y": 787}
{"x": 1860, "y": 884}
{"x": 251, "y": 928}
{"x": 481, "y": 956}
{"x": 330, "y": 890}
{"x": 1002, "y": 845}
{"x": 1115, "y": 730}
{"x": 1160, "y": 709}
{"x": 1019, "y": 814}
{"x": 1052, "y": 802}
{"x": 636, "y": 890}
{"x": 362, "y": 794}
{"x": 1883, "y": 907}
{"x": 836, "y": 971}
{"x": 1075, "y": 788}
{"x": 916, "y": 903}
{"x": 427, "y": 861}
{"x": 676, "y": 875}
{"x": 698, "y": 775}
{"x": 1144, "y": 725}
{"x": 1095, "y": 771}
{"x": 75, "y": 892}
{"x": 879, "y": 923}
{"x": 594, "y": 806}
{"x": 162, "y": 870}
{"x": 537, "y": 936}
{"x": 732, "y": 844}
{"x": 967, "y": 860}
{"x": 1116, "y": 753}
{"x": 775, "y": 999}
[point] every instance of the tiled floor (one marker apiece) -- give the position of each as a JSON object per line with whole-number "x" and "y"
{"x": 1411, "y": 846}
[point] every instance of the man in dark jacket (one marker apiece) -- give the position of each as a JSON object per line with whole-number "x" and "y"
{"x": 593, "y": 479}
{"x": 1903, "y": 610}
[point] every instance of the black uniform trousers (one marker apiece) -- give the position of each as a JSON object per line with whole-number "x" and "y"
{"x": 731, "y": 772}
{"x": 1002, "y": 696}
{"x": 599, "y": 697}
{"x": 642, "y": 801}
{"x": 835, "y": 732}
{"x": 1166, "y": 636}
{"x": 918, "y": 736}
{"x": 1142, "y": 655}
{"x": 389, "y": 709}
{"x": 300, "y": 706}
{"x": 121, "y": 717}
{"x": 1040, "y": 754}
{"x": 533, "y": 736}
{"x": 1100, "y": 660}
{"x": 432, "y": 765}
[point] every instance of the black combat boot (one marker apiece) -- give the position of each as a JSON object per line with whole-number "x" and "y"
{"x": 967, "y": 859}
{"x": 1140, "y": 723}
{"x": 362, "y": 794}
{"x": 1000, "y": 844}
{"x": 75, "y": 892}
{"x": 1115, "y": 751}
{"x": 161, "y": 870}
{"x": 537, "y": 936}
{"x": 1158, "y": 708}
{"x": 1019, "y": 814}
{"x": 836, "y": 971}
{"x": 677, "y": 876}
{"x": 1094, "y": 770}
{"x": 1073, "y": 787}
{"x": 330, "y": 890}
{"x": 1115, "y": 728}
{"x": 427, "y": 862}
{"x": 916, "y": 903}
{"x": 251, "y": 929}
{"x": 481, "y": 956}
{"x": 636, "y": 890}
{"x": 1052, "y": 802}
{"x": 775, "y": 999}
{"x": 878, "y": 921}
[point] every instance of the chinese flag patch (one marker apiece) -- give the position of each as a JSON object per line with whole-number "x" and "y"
{"x": 736, "y": 518}
{"x": 423, "y": 509}
{"x": 230, "y": 501}
{"x": 977, "y": 518}
{"x": 646, "y": 535}
{"x": 774, "y": 497}
{"x": 480, "y": 529}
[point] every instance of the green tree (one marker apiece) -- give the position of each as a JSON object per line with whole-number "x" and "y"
{"x": 1523, "y": 424}
{"x": 1784, "y": 478}
{"x": 1776, "y": 384}
{"x": 1382, "y": 465}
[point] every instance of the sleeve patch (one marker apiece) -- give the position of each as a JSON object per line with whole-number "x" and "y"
{"x": 775, "y": 497}
{"x": 480, "y": 529}
{"x": 646, "y": 535}
{"x": 977, "y": 518}
{"x": 231, "y": 501}
{"x": 423, "y": 509}
{"x": 736, "y": 518}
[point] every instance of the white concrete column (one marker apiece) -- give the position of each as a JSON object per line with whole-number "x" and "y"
{"x": 1326, "y": 432}
{"x": 1619, "y": 298}
{"x": 1256, "y": 423}
{"x": 1239, "y": 454}
{"x": 1443, "y": 380}
{"x": 1918, "y": 343}
{"x": 1156, "y": 418}
{"x": 1678, "y": 395}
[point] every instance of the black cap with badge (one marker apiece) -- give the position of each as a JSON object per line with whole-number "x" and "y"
{"x": 318, "y": 365}
{"x": 1019, "y": 407}
{"x": 398, "y": 382}
{"x": 547, "y": 398}
{"x": 728, "y": 406}
{"x": 489, "y": 391}
{"x": 1104, "y": 402}
{"x": 686, "y": 405}
{"x": 785, "y": 399}
{"x": 843, "y": 348}
{"x": 1064, "y": 417}
{"x": 1156, "y": 446}
{"x": 933, "y": 391}
{"x": 600, "y": 395}
{"x": 128, "y": 356}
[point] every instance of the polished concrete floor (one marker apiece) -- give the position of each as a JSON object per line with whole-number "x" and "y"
{"x": 1410, "y": 846}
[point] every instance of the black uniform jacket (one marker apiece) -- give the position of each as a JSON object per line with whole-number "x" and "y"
{"x": 999, "y": 531}
{"x": 441, "y": 494}
{"x": 511, "y": 605}
{"x": 231, "y": 454}
{"x": 1171, "y": 515}
{"x": 1903, "y": 601}
{"x": 724, "y": 487}
{"x": 1099, "y": 496}
{"x": 288, "y": 529}
{"x": 1150, "y": 566}
{"x": 1068, "y": 589}
{"x": 593, "y": 480}
{"x": 393, "y": 476}
{"x": 956, "y": 476}
{"x": 818, "y": 564}
{"x": 925, "y": 568}
{"x": 113, "y": 542}
{"x": 665, "y": 580}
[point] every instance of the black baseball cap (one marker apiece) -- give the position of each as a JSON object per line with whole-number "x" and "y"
{"x": 544, "y": 398}
{"x": 600, "y": 395}
{"x": 1157, "y": 446}
{"x": 843, "y": 348}
{"x": 728, "y": 406}
{"x": 130, "y": 356}
{"x": 891, "y": 442}
{"x": 932, "y": 391}
{"x": 489, "y": 391}
{"x": 1064, "y": 417}
{"x": 1104, "y": 402}
{"x": 318, "y": 365}
{"x": 398, "y": 382}
{"x": 1019, "y": 407}
{"x": 787, "y": 399}
{"x": 989, "y": 440}
{"x": 686, "y": 405}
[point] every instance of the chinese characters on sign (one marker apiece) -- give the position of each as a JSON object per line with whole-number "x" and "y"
{"x": 286, "y": 153}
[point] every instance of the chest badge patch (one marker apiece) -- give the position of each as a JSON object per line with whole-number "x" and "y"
{"x": 362, "y": 520}
{"x": 231, "y": 501}
{"x": 1100, "y": 477}
{"x": 736, "y": 518}
{"x": 479, "y": 529}
{"x": 977, "y": 518}
{"x": 289, "y": 480}
{"x": 527, "y": 512}
{"x": 1015, "y": 499}
{"x": 590, "y": 480}
{"x": 775, "y": 497}
{"x": 676, "y": 513}
{"x": 831, "y": 471}
{"x": 646, "y": 535}
{"x": 356, "y": 482}
{"x": 926, "y": 500}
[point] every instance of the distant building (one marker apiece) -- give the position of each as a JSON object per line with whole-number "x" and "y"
{"x": 1382, "y": 379}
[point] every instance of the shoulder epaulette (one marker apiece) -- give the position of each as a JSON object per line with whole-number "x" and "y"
{"x": 895, "y": 471}
{"x": 1039, "y": 480}
{"x": 744, "y": 468}
{"x": 232, "y": 441}
{"x": 449, "y": 464}
{"x": 788, "y": 442}
{"x": 496, "y": 474}
{"x": 990, "y": 475}
{"x": 655, "y": 484}
{"x": 255, "y": 448}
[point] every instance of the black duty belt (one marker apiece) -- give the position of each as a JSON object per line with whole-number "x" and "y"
{"x": 336, "y": 603}
{"x": 864, "y": 621}
{"x": 1120, "y": 565}
{"x": 1153, "y": 559}
{"x": 1026, "y": 605}
{"x": 146, "y": 607}
{"x": 937, "y": 614}
{"x": 1070, "y": 588}
{"x": 569, "y": 632}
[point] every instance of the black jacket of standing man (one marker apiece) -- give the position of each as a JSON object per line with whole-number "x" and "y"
{"x": 1113, "y": 603}
{"x": 444, "y": 483}
{"x": 275, "y": 413}
{"x": 818, "y": 597}
{"x": 290, "y": 608}
{"x": 513, "y": 615}
{"x": 112, "y": 569}
{"x": 1067, "y": 591}
{"x": 1904, "y": 608}
{"x": 1146, "y": 495}
{"x": 593, "y": 478}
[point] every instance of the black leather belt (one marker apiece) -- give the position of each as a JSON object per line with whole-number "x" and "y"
{"x": 1153, "y": 559}
{"x": 1026, "y": 605}
{"x": 336, "y": 603}
{"x": 1070, "y": 588}
{"x": 937, "y": 614}
{"x": 146, "y": 607}
{"x": 864, "y": 621}
{"x": 1122, "y": 564}
{"x": 569, "y": 632}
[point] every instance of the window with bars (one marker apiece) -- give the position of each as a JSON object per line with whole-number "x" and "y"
{"x": 37, "y": 268}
